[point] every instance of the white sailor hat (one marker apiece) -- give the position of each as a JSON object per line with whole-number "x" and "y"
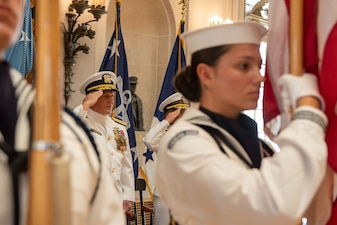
{"x": 174, "y": 101}
{"x": 104, "y": 80}
{"x": 225, "y": 34}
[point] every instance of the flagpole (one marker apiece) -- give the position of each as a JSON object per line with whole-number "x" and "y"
{"x": 47, "y": 192}
{"x": 296, "y": 68}
{"x": 296, "y": 46}
{"x": 40, "y": 190}
{"x": 117, "y": 34}
{"x": 179, "y": 50}
{"x": 296, "y": 43}
{"x": 296, "y": 37}
{"x": 116, "y": 48}
{"x": 182, "y": 22}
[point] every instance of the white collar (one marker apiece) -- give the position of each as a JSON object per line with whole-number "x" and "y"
{"x": 99, "y": 117}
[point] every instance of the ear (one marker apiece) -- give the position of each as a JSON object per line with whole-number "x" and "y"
{"x": 204, "y": 73}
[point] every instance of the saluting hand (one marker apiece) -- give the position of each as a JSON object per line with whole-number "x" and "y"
{"x": 90, "y": 99}
{"x": 127, "y": 205}
{"x": 172, "y": 116}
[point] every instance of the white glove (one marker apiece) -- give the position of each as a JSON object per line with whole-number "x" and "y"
{"x": 294, "y": 87}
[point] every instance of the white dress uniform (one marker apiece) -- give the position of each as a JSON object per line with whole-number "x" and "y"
{"x": 277, "y": 193}
{"x": 104, "y": 129}
{"x": 84, "y": 170}
{"x": 151, "y": 141}
{"x": 152, "y": 137}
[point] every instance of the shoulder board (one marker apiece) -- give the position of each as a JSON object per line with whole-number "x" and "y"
{"x": 95, "y": 131}
{"x": 121, "y": 122}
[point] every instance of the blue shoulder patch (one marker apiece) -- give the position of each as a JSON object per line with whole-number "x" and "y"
{"x": 179, "y": 136}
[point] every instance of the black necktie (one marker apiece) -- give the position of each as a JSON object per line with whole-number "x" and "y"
{"x": 8, "y": 108}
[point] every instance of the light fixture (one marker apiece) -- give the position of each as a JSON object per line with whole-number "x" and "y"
{"x": 72, "y": 34}
{"x": 217, "y": 20}
{"x": 228, "y": 21}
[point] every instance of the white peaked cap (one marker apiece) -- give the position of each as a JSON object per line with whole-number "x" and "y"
{"x": 225, "y": 34}
{"x": 104, "y": 80}
{"x": 175, "y": 100}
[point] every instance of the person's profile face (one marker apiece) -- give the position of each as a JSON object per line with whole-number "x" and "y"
{"x": 235, "y": 80}
{"x": 105, "y": 103}
{"x": 11, "y": 13}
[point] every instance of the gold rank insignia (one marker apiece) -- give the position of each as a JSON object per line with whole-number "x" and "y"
{"x": 107, "y": 78}
{"x": 120, "y": 139}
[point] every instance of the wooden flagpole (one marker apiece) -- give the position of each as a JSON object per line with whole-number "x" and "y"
{"x": 296, "y": 46}
{"x": 46, "y": 121}
{"x": 296, "y": 37}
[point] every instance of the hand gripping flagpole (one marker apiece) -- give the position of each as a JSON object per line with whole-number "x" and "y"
{"x": 48, "y": 169}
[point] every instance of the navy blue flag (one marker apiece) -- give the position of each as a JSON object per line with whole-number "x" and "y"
{"x": 176, "y": 63}
{"x": 115, "y": 61}
{"x": 20, "y": 56}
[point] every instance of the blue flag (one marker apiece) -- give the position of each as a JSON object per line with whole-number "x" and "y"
{"x": 20, "y": 56}
{"x": 176, "y": 63}
{"x": 115, "y": 60}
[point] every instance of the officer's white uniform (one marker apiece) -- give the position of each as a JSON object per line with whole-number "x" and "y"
{"x": 151, "y": 140}
{"x": 120, "y": 166}
{"x": 84, "y": 170}
{"x": 236, "y": 194}
{"x": 111, "y": 135}
{"x": 153, "y": 136}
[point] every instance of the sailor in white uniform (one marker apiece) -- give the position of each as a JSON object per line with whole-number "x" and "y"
{"x": 212, "y": 167}
{"x": 93, "y": 200}
{"x": 173, "y": 108}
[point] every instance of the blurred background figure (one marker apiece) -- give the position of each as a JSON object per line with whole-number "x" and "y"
{"x": 137, "y": 104}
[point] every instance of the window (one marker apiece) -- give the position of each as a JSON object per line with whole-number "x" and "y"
{"x": 257, "y": 10}
{"x": 257, "y": 114}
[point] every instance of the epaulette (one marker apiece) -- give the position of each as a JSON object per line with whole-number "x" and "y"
{"x": 95, "y": 131}
{"x": 121, "y": 122}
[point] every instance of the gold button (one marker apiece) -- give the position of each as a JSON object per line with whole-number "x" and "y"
{"x": 111, "y": 153}
{"x": 108, "y": 138}
{"x": 113, "y": 170}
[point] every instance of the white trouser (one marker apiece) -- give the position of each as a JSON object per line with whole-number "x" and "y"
{"x": 161, "y": 212}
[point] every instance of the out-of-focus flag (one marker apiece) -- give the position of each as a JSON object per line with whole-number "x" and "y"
{"x": 115, "y": 60}
{"x": 176, "y": 63}
{"x": 319, "y": 45}
{"x": 327, "y": 53}
{"x": 278, "y": 52}
{"x": 21, "y": 55}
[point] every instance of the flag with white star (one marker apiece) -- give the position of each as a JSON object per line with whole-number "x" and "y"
{"x": 115, "y": 60}
{"x": 20, "y": 56}
{"x": 177, "y": 62}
